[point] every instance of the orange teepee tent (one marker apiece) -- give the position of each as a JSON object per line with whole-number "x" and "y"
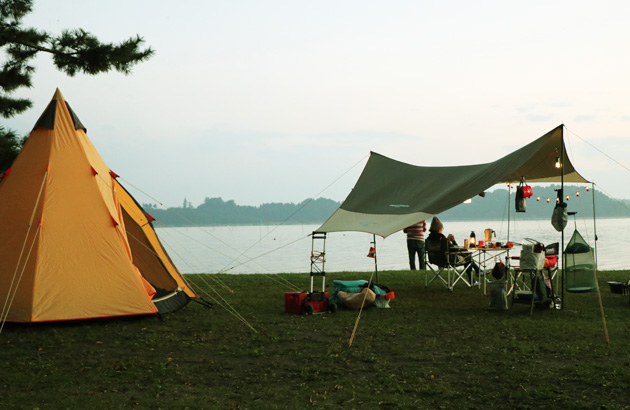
{"x": 64, "y": 250}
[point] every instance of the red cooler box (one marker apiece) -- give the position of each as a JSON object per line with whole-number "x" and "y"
{"x": 308, "y": 302}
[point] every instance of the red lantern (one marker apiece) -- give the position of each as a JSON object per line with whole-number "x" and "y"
{"x": 371, "y": 252}
{"x": 527, "y": 191}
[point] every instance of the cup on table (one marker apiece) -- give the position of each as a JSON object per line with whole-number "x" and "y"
{"x": 481, "y": 244}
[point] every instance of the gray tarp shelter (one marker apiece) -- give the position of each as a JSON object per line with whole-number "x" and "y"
{"x": 391, "y": 195}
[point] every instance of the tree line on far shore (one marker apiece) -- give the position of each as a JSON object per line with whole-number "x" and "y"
{"x": 494, "y": 206}
{"x": 216, "y": 211}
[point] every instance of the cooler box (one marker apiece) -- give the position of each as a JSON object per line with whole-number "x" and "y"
{"x": 307, "y": 302}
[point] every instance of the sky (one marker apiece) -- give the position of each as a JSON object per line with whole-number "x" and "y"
{"x": 280, "y": 101}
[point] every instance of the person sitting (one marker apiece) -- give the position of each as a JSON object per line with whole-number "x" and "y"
{"x": 435, "y": 229}
{"x": 458, "y": 256}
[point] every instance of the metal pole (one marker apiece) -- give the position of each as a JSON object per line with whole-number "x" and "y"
{"x": 507, "y": 258}
{"x": 562, "y": 161}
{"x": 594, "y": 222}
{"x": 508, "y": 210}
{"x": 375, "y": 257}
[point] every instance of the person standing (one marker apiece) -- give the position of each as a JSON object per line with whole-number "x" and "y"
{"x": 415, "y": 244}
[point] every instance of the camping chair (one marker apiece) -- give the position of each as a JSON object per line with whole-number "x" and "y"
{"x": 532, "y": 263}
{"x": 515, "y": 275}
{"x": 551, "y": 261}
{"x": 438, "y": 252}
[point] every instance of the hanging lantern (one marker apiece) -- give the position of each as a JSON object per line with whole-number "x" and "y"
{"x": 371, "y": 252}
{"x": 558, "y": 163}
{"x": 527, "y": 191}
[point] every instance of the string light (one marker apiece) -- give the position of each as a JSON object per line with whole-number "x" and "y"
{"x": 577, "y": 193}
{"x": 567, "y": 197}
{"x": 547, "y": 200}
{"x": 538, "y": 198}
{"x": 587, "y": 189}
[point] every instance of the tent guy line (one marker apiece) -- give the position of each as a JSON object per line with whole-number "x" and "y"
{"x": 600, "y": 151}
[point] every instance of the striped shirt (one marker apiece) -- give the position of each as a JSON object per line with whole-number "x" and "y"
{"x": 416, "y": 231}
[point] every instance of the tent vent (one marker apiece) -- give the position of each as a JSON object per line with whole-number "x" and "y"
{"x": 78, "y": 125}
{"x": 47, "y": 119}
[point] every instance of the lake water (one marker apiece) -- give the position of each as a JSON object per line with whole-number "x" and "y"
{"x": 287, "y": 248}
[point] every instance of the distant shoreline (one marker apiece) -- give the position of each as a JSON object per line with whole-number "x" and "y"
{"x": 219, "y": 212}
{"x": 275, "y": 224}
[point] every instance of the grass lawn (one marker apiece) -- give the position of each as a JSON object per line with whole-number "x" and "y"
{"x": 434, "y": 349}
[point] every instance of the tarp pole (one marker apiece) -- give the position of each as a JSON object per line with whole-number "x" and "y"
{"x": 508, "y": 211}
{"x": 375, "y": 258}
{"x": 562, "y": 302}
{"x": 375, "y": 276}
{"x": 594, "y": 221}
{"x": 507, "y": 258}
{"x": 599, "y": 293}
{"x": 356, "y": 322}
